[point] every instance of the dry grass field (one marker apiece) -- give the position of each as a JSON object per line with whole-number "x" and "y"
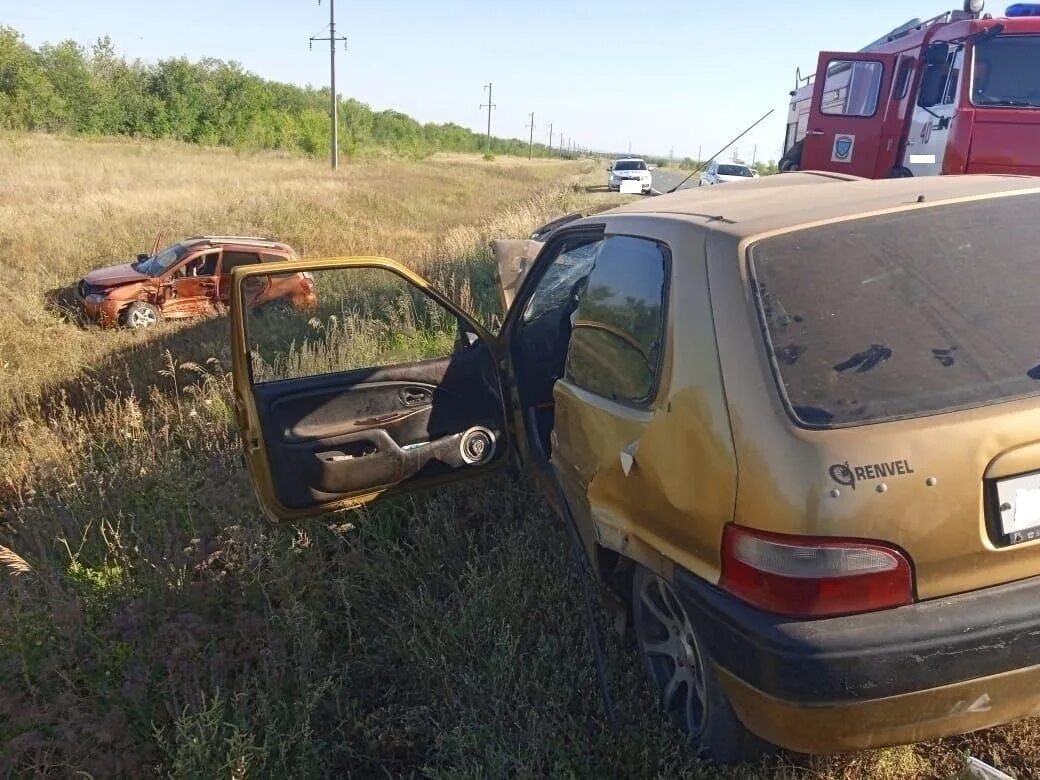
{"x": 153, "y": 624}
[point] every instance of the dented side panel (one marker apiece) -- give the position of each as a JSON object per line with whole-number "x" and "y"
{"x": 661, "y": 481}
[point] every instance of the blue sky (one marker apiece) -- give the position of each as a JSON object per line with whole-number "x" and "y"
{"x": 658, "y": 73}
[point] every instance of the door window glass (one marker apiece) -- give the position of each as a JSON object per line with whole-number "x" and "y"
{"x": 558, "y": 283}
{"x": 952, "y": 78}
{"x": 235, "y": 259}
{"x": 200, "y": 265}
{"x": 902, "y": 81}
{"x": 303, "y": 324}
{"x": 859, "y": 81}
{"x": 615, "y": 348}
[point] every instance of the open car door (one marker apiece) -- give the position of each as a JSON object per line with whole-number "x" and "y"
{"x": 381, "y": 385}
{"x": 853, "y": 123}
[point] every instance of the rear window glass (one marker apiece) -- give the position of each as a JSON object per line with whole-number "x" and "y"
{"x": 904, "y": 314}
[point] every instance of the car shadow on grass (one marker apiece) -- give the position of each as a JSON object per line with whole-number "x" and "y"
{"x": 164, "y": 360}
{"x": 63, "y": 303}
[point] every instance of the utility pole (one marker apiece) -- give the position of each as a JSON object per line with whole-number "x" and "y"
{"x": 754, "y": 154}
{"x": 699, "y": 158}
{"x": 333, "y": 108}
{"x": 530, "y": 143}
{"x": 550, "y": 139}
{"x": 489, "y": 105}
{"x": 630, "y": 148}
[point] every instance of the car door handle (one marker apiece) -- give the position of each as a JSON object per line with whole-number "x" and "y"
{"x": 415, "y": 396}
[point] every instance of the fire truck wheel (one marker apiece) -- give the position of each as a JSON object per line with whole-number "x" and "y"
{"x": 901, "y": 172}
{"x": 792, "y": 159}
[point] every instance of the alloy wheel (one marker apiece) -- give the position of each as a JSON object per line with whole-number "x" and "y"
{"x": 142, "y": 317}
{"x": 672, "y": 655}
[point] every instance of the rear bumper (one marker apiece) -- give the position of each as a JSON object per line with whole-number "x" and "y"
{"x": 929, "y": 669}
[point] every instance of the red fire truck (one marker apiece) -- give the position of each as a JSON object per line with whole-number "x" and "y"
{"x": 959, "y": 93}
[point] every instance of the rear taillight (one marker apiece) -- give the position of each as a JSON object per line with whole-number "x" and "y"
{"x": 813, "y": 576}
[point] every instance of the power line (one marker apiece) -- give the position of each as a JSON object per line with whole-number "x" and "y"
{"x": 333, "y": 107}
{"x": 530, "y": 143}
{"x": 489, "y": 105}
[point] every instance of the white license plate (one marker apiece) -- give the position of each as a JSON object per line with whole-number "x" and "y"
{"x": 1018, "y": 501}
{"x": 631, "y": 186}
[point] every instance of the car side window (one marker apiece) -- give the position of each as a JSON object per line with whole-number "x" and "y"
{"x": 207, "y": 264}
{"x": 615, "y": 348}
{"x": 234, "y": 259}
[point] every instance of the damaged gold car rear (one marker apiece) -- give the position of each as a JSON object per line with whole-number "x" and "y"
{"x": 796, "y": 422}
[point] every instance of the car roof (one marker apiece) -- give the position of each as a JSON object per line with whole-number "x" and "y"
{"x": 253, "y": 241}
{"x": 791, "y": 200}
{"x": 629, "y": 159}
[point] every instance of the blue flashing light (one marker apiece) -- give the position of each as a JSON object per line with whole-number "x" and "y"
{"x": 1023, "y": 9}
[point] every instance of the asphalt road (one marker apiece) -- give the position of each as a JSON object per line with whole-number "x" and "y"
{"x": 663, "y": 179}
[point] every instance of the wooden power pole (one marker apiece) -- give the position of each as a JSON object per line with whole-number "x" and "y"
{"x": 489, "y": 105}
{"x": 333, "y": 102}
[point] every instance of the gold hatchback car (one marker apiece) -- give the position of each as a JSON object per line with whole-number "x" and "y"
{"x": 796, "y": 423}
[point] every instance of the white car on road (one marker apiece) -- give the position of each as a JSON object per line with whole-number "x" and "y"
{"x": 631, "y": 169}
{"x": 720, "y": 173}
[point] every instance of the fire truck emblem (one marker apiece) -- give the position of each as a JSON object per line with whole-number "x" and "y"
{"x": 843, "y": 146}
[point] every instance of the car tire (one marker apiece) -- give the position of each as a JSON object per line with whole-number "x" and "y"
{"x": 140, "y": 315}
{"x": 679, "y": 668}
{"x": 280, "y": 308}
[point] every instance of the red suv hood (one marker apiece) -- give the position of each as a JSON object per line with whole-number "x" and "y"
{"x": 1003, "y": 140}
{"x": 113, "y": 275}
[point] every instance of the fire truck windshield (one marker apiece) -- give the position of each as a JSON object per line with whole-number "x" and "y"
{"x": 1007, "y": 72}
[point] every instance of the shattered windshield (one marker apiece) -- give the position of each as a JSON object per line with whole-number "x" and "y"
{"x": 904, "y": 314}
{"x": 1007, "y": 72}
{"x": 157, "y": 264}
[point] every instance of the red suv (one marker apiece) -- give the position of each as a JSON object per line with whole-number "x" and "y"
{"x": 190, "y": 279}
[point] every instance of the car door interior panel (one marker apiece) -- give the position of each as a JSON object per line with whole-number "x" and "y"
{"x": 334, "y": 435}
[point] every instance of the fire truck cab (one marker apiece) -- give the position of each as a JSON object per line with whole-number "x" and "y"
{"x": 959, "y": 93}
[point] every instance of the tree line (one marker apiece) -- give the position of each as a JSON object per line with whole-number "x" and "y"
{"x": 69, "y": 88}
